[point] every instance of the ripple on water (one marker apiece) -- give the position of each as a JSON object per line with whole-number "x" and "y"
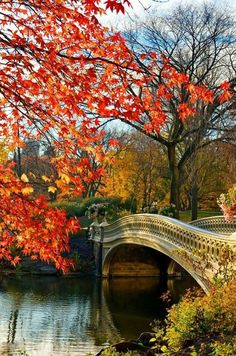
{"x": 68, "y": 316}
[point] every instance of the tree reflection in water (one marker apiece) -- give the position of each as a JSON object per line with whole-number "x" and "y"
{"x": 57, "y": 315}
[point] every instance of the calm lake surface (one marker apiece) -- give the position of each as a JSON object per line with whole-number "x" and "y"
{"x": 73, "y": 316}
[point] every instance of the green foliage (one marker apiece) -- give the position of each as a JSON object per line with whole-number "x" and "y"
{"x": 169, "y": 210}
{"x": 130, "y": 204}
{"x": 79, "y": 207}
{"x": 201, "y": 324}
{"x": 186, "y": 215}
{"x": 224, "y": 348}
{"x": 72, "y": 208}
{"x": 111, "y": 351}
{"x": 119, "y": 207}
{"x": 204, "y": 324}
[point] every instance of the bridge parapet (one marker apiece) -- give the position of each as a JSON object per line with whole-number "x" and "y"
{"x": 184, "y": 236}
{"x": 168, "y": 236}
{"x": 216, "y": 224}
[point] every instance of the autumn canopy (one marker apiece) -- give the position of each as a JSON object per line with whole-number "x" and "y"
{"x": 61, "y": 74}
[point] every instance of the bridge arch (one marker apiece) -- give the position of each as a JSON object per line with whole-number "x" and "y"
{"x": 174, "y": 259}
{"x": 167, "y": 235}
{"x": 174, "y": 269}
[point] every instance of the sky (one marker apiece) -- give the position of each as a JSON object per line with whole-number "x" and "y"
{"x": 142, "y": 8}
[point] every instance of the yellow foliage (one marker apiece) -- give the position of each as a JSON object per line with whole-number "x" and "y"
{"x": 52, "y": 189}
{"x": 119, "y": 178}
{"x": 136, "y": 174}
{"x": 46, "y": 179}
{"x": 32, "y": 175}
{"x": 27, "y": 190}
{"x": 200, "y": 319}
{"x": 4, "y": 152}
{"x": 65, "y": 178}
{"x": 24, "y": 178}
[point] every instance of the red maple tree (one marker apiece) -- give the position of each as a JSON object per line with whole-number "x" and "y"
{"x": 61, "y": 72}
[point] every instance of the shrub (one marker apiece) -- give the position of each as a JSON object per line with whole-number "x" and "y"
{"x": 72, "y": 208}
{"x": 79, "y": 207}
{"x": 110, "y": 351}
{"x": 130, "y": 204}
{"x": 202, "y": 324}
{"x": 169, "y": 210}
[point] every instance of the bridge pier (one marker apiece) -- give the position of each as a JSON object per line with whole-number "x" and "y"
{"x": 98, "y": 251}
{"x": 96, "y": 235}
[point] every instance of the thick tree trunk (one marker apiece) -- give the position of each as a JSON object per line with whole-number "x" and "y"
{"x": 194, "y": 187}
{"x": 174, "y": 179}
{"x": 194, "y": 201}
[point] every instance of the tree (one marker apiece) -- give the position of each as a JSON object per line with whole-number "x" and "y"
{"x": 206, "y": 176}
{"x": 61, "y": 72}
{"x": 200, "y": 44}
{"x": 36, "y": 164}
{"x": 99, "y": 158}
{"x": 50, "y": 53}
{"x": 138, "y": 173}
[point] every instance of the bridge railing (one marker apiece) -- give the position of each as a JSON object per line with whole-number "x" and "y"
{"x": 189, "y": 238}
{"x": 216, "y": 224}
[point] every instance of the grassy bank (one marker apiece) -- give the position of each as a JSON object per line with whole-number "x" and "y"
{"x": 186, "y": 215}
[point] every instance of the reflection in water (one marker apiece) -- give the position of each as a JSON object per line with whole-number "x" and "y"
{"x": 138, "y": 303}
{"x": 135, "y": 302}
{"x": 12, "y": 326}
{"x": 70, "y": 316}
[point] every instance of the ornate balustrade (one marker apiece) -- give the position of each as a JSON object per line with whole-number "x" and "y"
{"x": 191, "y": 238}
{"x": 169, "y": 236}
{"x": 216, "y": 224}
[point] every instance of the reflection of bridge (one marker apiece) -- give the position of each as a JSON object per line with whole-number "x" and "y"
{"x": 138, "y": 245}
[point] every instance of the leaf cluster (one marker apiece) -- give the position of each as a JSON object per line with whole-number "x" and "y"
{"x": 111, "y": 351}
{"x": 169, "y": 210}
{"x": 201, "y": 324}
{"x": 79, "y": 207}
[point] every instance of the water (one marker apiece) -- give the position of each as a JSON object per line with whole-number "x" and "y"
{"x": 73, "y": 316}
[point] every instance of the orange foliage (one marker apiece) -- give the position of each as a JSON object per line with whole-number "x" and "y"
{"x": 57, "y": 64}
{"x": 30, "y": 225}
{"x": 48, "y": 80}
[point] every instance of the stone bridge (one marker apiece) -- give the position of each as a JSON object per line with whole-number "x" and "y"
{"x": 155, "y": 245}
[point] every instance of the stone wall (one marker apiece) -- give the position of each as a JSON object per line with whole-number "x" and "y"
{"x": 131, "y": 260}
